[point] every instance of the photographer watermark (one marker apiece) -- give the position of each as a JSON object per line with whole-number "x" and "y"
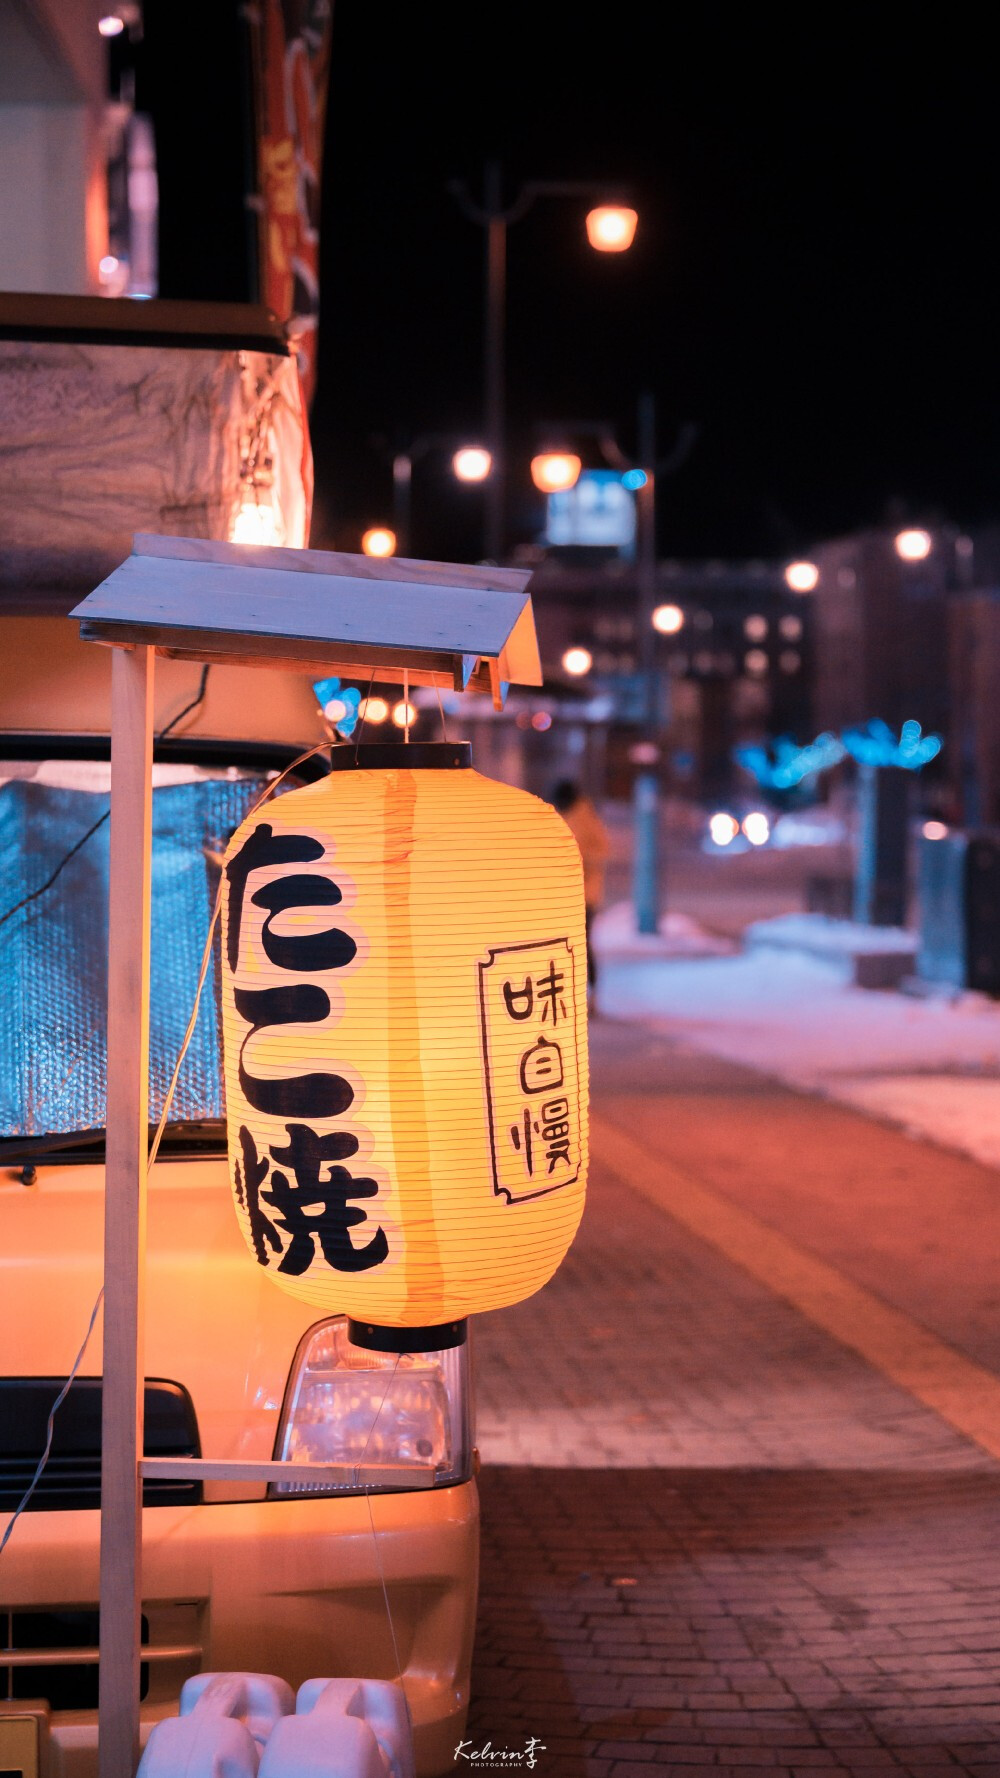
{"x": 487, "y": 1758}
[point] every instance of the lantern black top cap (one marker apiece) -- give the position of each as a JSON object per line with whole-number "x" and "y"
{"x": 443, "y": 624}
{"x": 400, "y": 756}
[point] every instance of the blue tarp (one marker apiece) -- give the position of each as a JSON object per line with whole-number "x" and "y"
{"x": 54, "y": 953}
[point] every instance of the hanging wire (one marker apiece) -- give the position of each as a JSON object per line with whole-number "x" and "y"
{"x": 158, "y": 1137}
{"x": 195, "y": 701}
{"x": 375, "y": 1540}
{"x": 35, "y": 893}
{"x": 444, "y": 725}
{"x": 406, "y": 706}
{"x": 364, "y": 719}
{"x": 50, "y": 1426}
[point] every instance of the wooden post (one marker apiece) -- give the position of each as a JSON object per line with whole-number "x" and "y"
{"x": 125, "y": 1207}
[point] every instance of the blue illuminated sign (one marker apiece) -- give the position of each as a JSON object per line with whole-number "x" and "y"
{"x": 599, "y": 510}
{"x": 876, "y": 745}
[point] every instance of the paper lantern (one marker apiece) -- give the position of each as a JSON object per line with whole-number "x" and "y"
{"x": 404, "y": 1020}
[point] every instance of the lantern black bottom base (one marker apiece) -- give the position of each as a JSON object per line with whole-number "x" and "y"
{"x": 373, "y": 1338}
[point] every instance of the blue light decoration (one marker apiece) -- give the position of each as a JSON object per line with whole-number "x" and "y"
{"x": 634, "y": 479}
{"x": 339, "y": 704}
{"x": 784, "y": 764}
{"x": 876, "y": 745}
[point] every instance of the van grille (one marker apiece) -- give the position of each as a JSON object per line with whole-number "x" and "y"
{"x": 72, "y": 1476}
{"x": 53, "y": 1654}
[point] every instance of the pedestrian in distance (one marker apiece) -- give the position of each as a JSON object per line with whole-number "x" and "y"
{"x": 590, "y": 834}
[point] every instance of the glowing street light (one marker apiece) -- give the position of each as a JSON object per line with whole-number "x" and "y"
{"x": 611, "y": 228}
{"x": 373, "y": 710}
{"x": 614, "y": 230}
{"x": 403, "y": 714}
{"x": 801, "y": 577}
{"x": 555, "y": 471}
{"x": 472, "y": 463}
{"x": 913, "y": 546}
{"x": 668, "y": 619}
{"x": 379, "y": 541}
{"x": 577, "y": 661}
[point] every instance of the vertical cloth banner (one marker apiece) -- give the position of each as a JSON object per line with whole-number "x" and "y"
{"x": 291, "y": 77}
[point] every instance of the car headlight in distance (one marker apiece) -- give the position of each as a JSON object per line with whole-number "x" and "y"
{"x": 405, "y": 1421}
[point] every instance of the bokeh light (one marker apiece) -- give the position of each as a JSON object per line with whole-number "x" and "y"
{"x": 802, "y": 577}
{"x": 379, "y": 541}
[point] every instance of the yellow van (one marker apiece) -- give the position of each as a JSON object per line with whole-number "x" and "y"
{"x": 377, "y": 1582}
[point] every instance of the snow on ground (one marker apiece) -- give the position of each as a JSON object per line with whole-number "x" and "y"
{"x": 931, "y": 1065}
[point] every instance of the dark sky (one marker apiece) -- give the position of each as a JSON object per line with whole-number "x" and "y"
{"x": 809, "y": 283}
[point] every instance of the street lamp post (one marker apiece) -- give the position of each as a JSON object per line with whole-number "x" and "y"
{"x": 646, "y": 790}
{"x": 495, "y": 218}
{"x": 469, "y": 464}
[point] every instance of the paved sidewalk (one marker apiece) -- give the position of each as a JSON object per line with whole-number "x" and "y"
{"x": 714, "y": 1535}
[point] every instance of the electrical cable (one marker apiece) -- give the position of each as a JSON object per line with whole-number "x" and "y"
{"x": 375, "y": 1541}
{"x": 35, "y": 893}
{"x": 198, "y": 698}
{"x": 158, "y": 1136}
{"x": 50, "y": 1427}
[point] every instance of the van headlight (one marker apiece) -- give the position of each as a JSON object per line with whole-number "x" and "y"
{"x": 405, "y": 1421}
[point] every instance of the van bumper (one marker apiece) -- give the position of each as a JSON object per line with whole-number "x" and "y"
{"x": 291, "y": 1587}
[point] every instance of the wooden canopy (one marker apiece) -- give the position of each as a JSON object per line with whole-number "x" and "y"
{"x": 437, "y": 623}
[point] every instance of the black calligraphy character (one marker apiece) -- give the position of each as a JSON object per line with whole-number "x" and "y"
{"x": 550, "y": 993}
{"x": 515, "y": 1136}
{"x": 261, "y": 848}
{"x": 320, "y": 1207}
{"x": 300, "y": 1003}
{"x": 519, "y": 1001}
{"x": 249, "y": 1180}
{"x": 541, "y": 1067}
{"x": 555, "y": 1132}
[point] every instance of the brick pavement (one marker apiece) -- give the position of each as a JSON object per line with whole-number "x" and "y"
{"x": 712, "y": 1535}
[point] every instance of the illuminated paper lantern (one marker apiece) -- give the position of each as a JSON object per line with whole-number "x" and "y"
{"x": 404, "y": 1019}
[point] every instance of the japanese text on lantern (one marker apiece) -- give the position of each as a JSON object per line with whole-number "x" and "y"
{"x": 308, "y": 1209}
{"x": 528, "y": 1001}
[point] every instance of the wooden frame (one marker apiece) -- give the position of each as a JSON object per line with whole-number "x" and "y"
{"x": 424, "y": 633}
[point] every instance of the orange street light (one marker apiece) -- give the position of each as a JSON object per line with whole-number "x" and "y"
{"x": 668, "y": 619}
{"x": 471, "y": 464}
{"x": 913, "y": 546}
{"x": 577, "y": 661}
{"x": 379, "y": 541}
{"x": 495, "y": 217}
{"x": 801, "y": 577}
{"x": 554, "y": 471}
{"x": 611, "y": 228}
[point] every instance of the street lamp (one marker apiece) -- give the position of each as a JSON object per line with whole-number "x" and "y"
{"x": 469, "y": 463}
{"x": 605, "y": 235}
{"x": 379, "y": 541}
{"x": 554, "y": 472}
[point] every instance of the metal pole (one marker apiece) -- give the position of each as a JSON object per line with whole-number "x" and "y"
{"x": 646, "y": 793}
{"x": 496, "y": 287}
{"x": 402, "y": 489}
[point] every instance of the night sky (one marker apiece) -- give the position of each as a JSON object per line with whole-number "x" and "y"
{"x": 809, "y": 283}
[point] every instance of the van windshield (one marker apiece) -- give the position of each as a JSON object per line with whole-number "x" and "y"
{"x": 53, "y": 951}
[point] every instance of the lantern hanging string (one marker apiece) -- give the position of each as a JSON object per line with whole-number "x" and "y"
{"x": 406, "y": 706}
{"x": 375, "y": 1540}
{"x": 155, "y": 1145}
{"x": 364, "y": 719}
